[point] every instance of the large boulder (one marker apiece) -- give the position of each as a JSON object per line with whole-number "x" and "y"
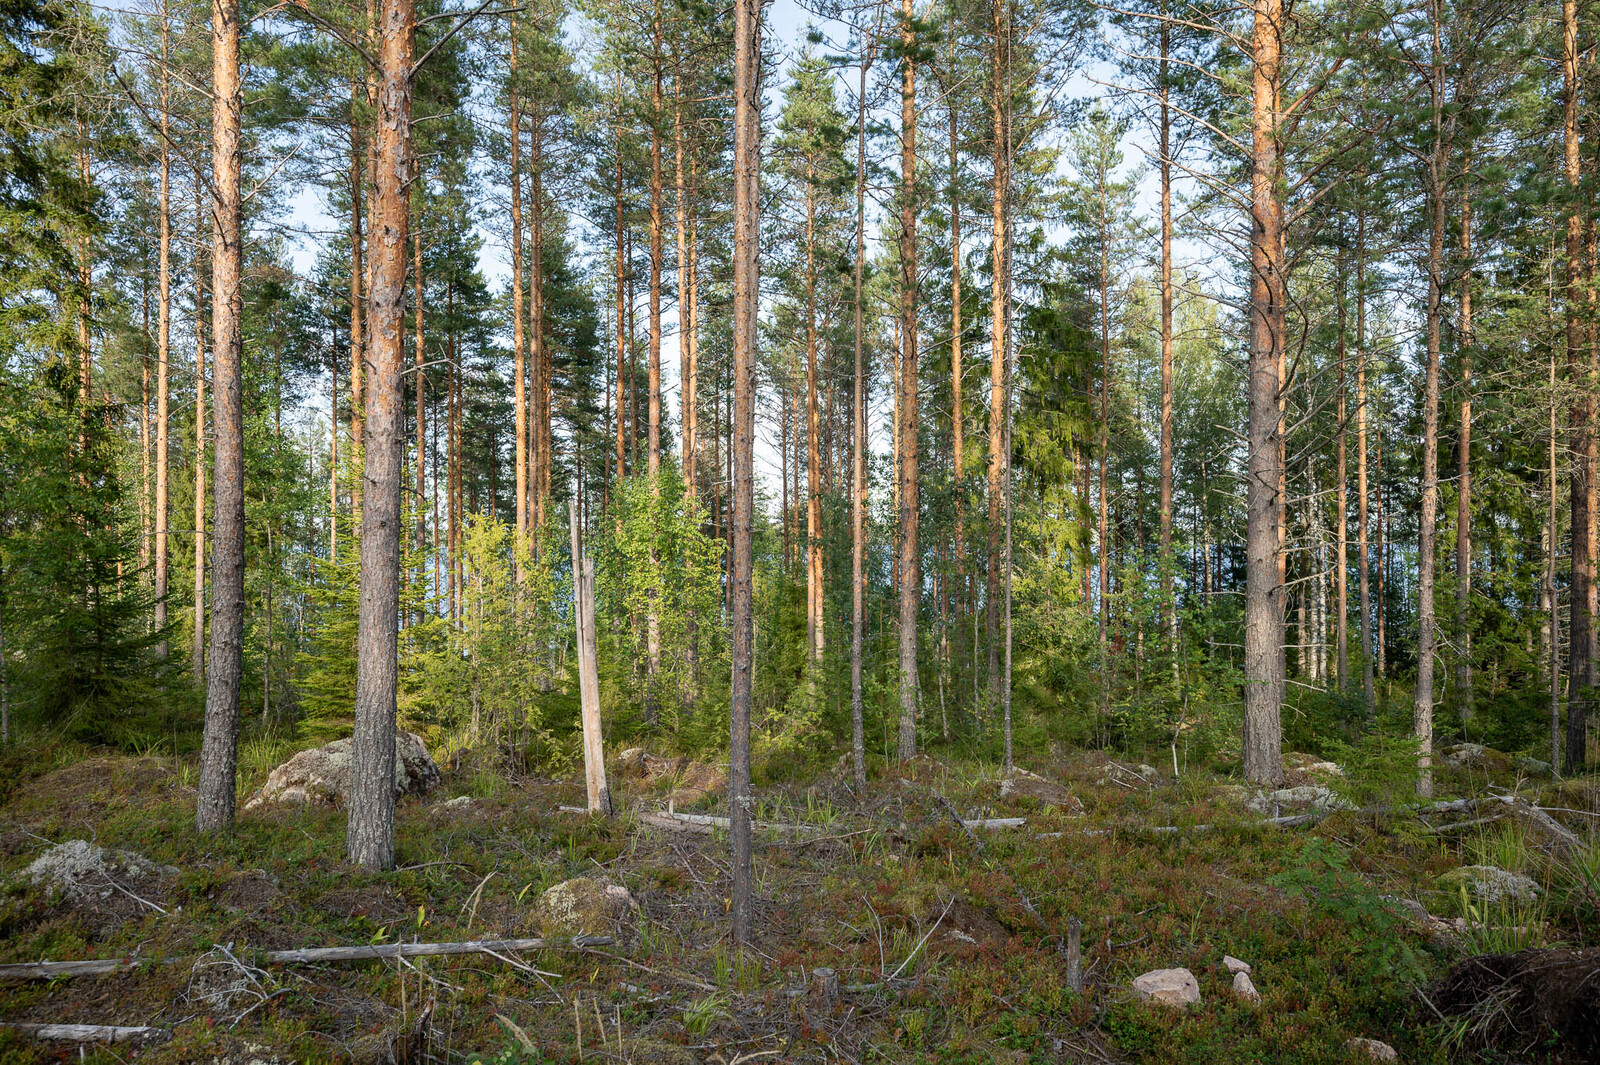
{"x": 1168, "y": 987}
{"x": 1317, "y": 798}
{"x": 322, "y": 774}
{"x": 581, "y": 906}
{"x": 1488, "y": 883}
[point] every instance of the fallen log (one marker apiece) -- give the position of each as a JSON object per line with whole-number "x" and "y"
{"x": 88, "y": 1033}
{"x": 51, "y": 970}
{"x": 989, "y": 824}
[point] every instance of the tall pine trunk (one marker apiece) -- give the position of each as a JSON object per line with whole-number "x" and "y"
{"x": 219, "y": 746}
{"x": 1464, "y": 470}
{"x": 370, "y": 841}
{"x": 998, "y": 459}
{"x": 858, "y": 475}
{"x": 163, "y": 351}
{"x": 1264, "y": 631}
{"x": 910, "y": 585}
{"x": 746, "y": 298}
{"x": 1581, "y": 627}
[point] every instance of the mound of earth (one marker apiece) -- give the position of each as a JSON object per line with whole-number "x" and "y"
{"x": 322, "y": 774}
{"x": 1034, "y": 786}
{"x": 1526, "y": 998}
{"x": 78, "y": 867}
{"x": 688, "y": 780}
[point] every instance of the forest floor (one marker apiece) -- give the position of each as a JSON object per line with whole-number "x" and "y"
{"x": 948, "y": 943}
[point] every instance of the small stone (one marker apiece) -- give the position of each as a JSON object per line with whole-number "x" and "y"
{"x": 1168, "y": 987}
{"x": 1535, "y": 767}
{"x": 581, "y": 907}
{"x": 1244, "y": 990}
{"x": 1464, "y": 755}
{"x": 1373, "y": 1049}
{"x": 460, "y": 802}
{"x": 1235, "y": 965}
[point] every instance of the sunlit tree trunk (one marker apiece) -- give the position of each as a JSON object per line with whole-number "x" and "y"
{"x": 1264, "y": 630}
{"x": 215, "y": 801}
{"x": 370, "y": 840}
{"x": 519, "y": 370}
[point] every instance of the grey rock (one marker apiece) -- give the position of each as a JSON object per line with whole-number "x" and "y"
{"x": 1488, "y": 883}
{"x": 322, "y": 774}
{"x": 1235, "y": 965}
{"x": 1168, "y": 987}
{"x": 1244, "y": 990}
{"x": 1373, "y": 1049}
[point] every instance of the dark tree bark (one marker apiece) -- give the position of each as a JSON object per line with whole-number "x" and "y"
{"x": 1581, "y": 627}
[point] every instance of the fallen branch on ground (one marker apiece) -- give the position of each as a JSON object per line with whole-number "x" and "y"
{"x": 88, "y": 1033}
{"x": 50, "y": 970}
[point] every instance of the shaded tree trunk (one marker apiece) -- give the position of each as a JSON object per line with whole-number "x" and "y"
{"x": 1464, "y": 471}
{"x": 858, "y": 477}
{"x": 1581, "y": 627}
{"x": 1000, "y": 88}
{"x": 746, "y": 297}
{"x": 906, "y": 408}
{"x": 163, "y": 351}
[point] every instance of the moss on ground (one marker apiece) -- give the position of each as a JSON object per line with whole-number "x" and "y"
{"x": 948, "y": 951}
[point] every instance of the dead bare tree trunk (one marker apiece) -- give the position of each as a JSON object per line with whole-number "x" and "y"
{"x": 1263, "y": 654}
{"x": 594, "y": 752}
{"x": 215, "y": 801}
{"x": 371, "y": 832}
